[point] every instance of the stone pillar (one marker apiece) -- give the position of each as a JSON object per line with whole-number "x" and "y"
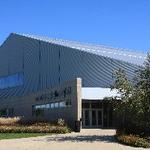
{"x": 78, "y": 124}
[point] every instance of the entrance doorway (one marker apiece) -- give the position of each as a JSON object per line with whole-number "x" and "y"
{"x": 97, "y": 114}
{"x": 92, "y": 118}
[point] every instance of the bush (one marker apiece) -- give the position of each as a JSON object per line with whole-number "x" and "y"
{"x": 34, "y": 128}
{"x": 133, "y": 140}
{"x": 61, "y": 122}
{"x": 19, "y": 125}
{"x": 9, "y": 121}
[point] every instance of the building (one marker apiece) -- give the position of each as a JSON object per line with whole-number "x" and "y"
{"x": 43, "y": 78}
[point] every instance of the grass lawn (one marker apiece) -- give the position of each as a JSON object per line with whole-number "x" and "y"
{"x": 20, "y": 135}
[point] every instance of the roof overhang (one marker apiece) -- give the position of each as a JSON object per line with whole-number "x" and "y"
{"x": 98, "y": 93}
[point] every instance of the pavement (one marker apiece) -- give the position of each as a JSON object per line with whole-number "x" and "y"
{"x": 87, "y": 139}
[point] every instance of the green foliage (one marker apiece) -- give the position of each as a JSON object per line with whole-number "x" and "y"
{"x": 133, "y": 110}
{"x": 20, "y": 135}
{"x": 143, "y": 88}
{"x": 122, "y": 84}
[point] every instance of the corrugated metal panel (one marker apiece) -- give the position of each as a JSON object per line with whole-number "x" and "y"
{"x": 115, "y": 53}
{"x": 47, "y": 64}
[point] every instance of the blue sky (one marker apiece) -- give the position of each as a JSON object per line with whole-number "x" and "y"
{"x": 117, "y": 23}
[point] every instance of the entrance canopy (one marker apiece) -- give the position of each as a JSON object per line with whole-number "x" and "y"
{"x": 97, "y": 93}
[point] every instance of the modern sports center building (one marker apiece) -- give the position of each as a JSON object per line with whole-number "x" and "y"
{"x": 42, "y": 78}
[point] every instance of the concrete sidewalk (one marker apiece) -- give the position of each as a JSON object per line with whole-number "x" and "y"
{"x": 87, "y": 139}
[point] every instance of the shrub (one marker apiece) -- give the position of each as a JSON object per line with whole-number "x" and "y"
{"x": 133, "y": 140}
{"x": 61, "y": 122}
{"x": 34, "y": 128}
{"x": 9, "y": 121}
{"x": 19, "y": 125}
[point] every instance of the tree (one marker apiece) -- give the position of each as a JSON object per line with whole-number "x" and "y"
{"x": 134, "y": 108}
{"x": 123, "y": 85}
{"x": 143, "y": 88}
{"x": 125, "y": 89}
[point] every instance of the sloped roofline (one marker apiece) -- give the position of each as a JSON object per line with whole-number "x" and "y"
{"x": 126, "y": 55}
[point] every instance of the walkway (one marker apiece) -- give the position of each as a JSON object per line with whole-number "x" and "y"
{"x": 87, "y": 139}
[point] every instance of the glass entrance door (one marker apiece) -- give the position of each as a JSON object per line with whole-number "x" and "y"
{"x": 99, "y": 118}
{"x": 87, "y": 117}
{"x": 92, "y": 118}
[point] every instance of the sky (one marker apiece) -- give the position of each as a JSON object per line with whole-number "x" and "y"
{"x": 116, "y": 23}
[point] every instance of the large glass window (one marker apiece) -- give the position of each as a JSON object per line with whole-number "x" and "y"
{"x": 56, "y": 105}
{"x": 11, "y": 81}
{"x": 53, "y": 105}
{"x": 62, "y": 104}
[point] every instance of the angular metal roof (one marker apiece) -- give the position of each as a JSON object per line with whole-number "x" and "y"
{"x": 116, "y": 53}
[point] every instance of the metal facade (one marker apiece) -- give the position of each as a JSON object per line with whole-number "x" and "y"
{"x": 46, "y": 63}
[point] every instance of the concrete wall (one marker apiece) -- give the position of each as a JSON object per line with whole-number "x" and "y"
{"x": 23, "y": 105}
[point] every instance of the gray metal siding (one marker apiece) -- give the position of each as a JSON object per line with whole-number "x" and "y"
{"x": 46, "y": 65}
{"x": 116, "y": 53}
{"x": 95, "y": 70}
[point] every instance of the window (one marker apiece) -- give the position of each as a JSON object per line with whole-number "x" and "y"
{"x": 37, "y": 107}
{"x": 53, "y": 105}
{"x": 56, "y": 105}
{"x": 62, "y": 104}
{"x": 47, "y": 106}
{"x": 11, "y": 81}
{"x": 43, "y": 106}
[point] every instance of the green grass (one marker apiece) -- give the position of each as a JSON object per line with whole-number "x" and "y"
{"x": 20, "y": 135}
